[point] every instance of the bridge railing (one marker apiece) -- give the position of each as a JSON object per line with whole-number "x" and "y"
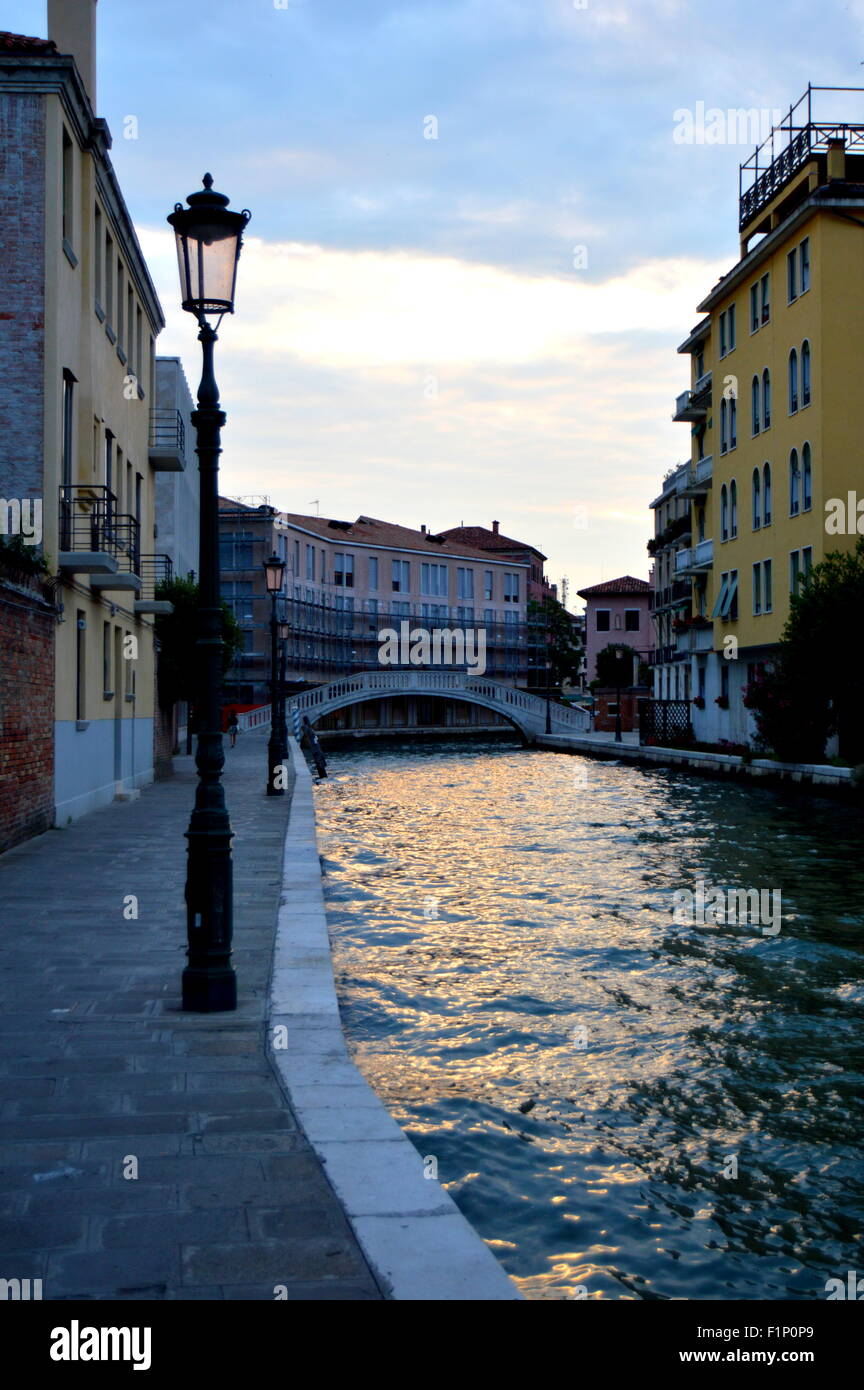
{"x": 254, "y": 718}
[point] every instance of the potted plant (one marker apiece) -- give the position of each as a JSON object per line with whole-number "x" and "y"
{"x": 699, "y": 702}
{"x": 722, "y": 701}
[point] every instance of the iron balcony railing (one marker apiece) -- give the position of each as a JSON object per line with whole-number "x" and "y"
{"x": 155, "y": 569}
{"x": 167, "y": 430}
{"x": 90, "y": 522}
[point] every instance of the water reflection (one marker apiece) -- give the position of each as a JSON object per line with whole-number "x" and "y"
{"x": 589, "y": 1075}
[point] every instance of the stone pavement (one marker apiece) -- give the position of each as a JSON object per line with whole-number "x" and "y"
{"x": 102, "y": 1076}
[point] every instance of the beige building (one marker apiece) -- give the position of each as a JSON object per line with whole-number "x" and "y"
{"x": 77, "y": 383}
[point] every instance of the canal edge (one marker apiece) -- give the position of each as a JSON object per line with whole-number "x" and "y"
{"x": 416, "y": 1240}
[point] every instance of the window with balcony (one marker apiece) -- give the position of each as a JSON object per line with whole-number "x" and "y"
{"x": 794, "y": 484}
{"x": 757, "y": 499}
{"x": 766, "y": 495}
{"x": 805, "y": 373}
{"x": 793, "y": 382}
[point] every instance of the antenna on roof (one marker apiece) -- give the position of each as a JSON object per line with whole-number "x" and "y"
{"x": 317, "y": 505}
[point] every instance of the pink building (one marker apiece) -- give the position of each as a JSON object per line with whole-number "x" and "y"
{"x": 618, "y": 612}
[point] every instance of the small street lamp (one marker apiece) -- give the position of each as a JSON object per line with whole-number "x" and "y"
{"x": 274, "y": 574}
{"x": 619, "y": 658}
{"x": 209, "y": 239}
{"x": 284, "y": 634}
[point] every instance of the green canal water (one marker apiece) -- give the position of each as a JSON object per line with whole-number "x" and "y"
{"x": 623, "y": 1106}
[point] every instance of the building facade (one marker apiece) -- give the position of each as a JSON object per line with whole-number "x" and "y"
{"x": 774, "y": 367}
{"x": 671, "y": 595}
{"x": 617, "y": 611}
{"x": 77, "y": 384}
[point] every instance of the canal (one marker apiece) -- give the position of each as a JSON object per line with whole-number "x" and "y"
{"x": 623, "y": 1105}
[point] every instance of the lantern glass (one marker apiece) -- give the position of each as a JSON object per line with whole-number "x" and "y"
{"x": 209, "y": 239}
{"x": 274, "y": 570}
{"x": 284, "y": 631}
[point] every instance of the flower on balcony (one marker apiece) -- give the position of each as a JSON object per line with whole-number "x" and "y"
{"x": 680, "y": 624}
{"x": 699, "y": 701}
{"x": 700, "y": 623}
{"x": 722, "y": 701}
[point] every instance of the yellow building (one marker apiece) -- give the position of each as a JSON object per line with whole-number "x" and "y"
{"x": 775, "y": 375}
{"x": 77, "y": 384}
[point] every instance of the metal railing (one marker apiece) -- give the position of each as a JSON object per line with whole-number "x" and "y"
{"x": 167, "y": 430}
{"x": 155, "y": 569}
{"x": 804, "y": 137}
{"x": 90, "y": 522}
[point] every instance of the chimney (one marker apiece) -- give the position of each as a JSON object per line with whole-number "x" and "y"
{"x": 72, "y": 26}
{"x": 495, "y": 528}
{"x": 423, "y": 529}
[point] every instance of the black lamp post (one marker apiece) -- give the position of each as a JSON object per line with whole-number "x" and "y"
{"x": 209, "y": 238}
{"x": 548, "y": 678}
{"x": 274, "y": 573}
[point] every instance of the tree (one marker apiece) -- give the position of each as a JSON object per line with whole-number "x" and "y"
{"x": 816, "y": 686}
{"x": 614, "y": 671}
{"x": 177, "y": 634}
{"x": 554, "y": 639}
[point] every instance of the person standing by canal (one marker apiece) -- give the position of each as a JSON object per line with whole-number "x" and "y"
{"x": 233, "y": 727}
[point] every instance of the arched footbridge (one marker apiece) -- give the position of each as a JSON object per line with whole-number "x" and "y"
{"x": 526, "y": 712}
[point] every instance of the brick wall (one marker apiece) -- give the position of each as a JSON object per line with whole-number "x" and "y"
{"x": 22, "y": 310}
{"x": 26, "y": 714}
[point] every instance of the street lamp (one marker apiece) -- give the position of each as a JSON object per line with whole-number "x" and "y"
{"x": 209, "y": 238}
{"x": 274, "y": 574}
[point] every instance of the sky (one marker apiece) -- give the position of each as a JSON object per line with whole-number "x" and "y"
{"x": 478, "y": 235}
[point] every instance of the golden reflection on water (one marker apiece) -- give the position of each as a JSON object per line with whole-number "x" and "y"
{"x": 516, "y": 992}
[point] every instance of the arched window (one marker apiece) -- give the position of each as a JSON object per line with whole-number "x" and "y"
{"x": 733, "y": 509}
{"x": 806, "y": 479}
{"x": 794, "y": 484}
{"x": 733, "y": 423}
{"x": 755, "y": 397}
{"x": 805, "y": 373}
{"x": 793, "y": 382}
{"x": 724, "y": 425}
{"x": 757, "y": 499}
{"x": 724, "y": 513}
{"x": 766, "y": 495}
{"x": 766, "y": 399}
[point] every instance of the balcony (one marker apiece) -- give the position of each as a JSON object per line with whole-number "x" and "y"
{"x": 98, "y": 540}
{"x": 167, "y": 441}
{"x": 698, "y": 558}
{"x": 699, "y": 478}
{"x": 155, "y": 569}
{"x": 693, "y": 405}
{"x": 679, "y": 591}
{"x": 695, "y": 639}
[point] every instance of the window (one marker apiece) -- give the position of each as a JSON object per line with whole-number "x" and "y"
{"x": 724, "y": 680}
{"x": 68, "y": 192}
{"x": 724, "y": 425}
{"x": 343, "y": 570}
{"x": 730, "y": 320}
{"x": 754, "y": 308}
{"x": 724, "y": 513}
{"x": 755, "y": 403}
{"x": 107, "y": 688}
{"x": 724, "y": 346}
{"x": 372, "y": 606}
{"x": 793, "y": 382}
{"x": 806, "y": 560}
{"x": 238, "y": 594}
{"x": 792, "y": 276}
{"x": 765, "y": 296}
{"x": 120, "y": 301}
{"x": 794, "y": 571}
{"x": 139, "y": 364}
{"x": 805, "y": 374}
{"x": 767, "y": 590}
{"x": 401, "y": 576}
{"x": 805, "y": 265}
{"x": 794, "y": 484}
{"x": 373, "y": 573}
{"x": 464, "y": 583}
{"x": 733, "y": 423}
{"x": 296, "y": 559}
{"x": 766, "y": 399}
{"x": 130, "y": 323}
{"x": 602, "y": 623}
{"x": 81, "y": 664}
{"x": 322, "y": 568}
{"x": 433, "y": 580}
{"x": 68, "y": 427}
{"x": 757, "y": 499}
{"x": 489, "y": 616}
{"x": 733, "y": 510}
{"x": 109, "y": 279}
{"x": 488, "y": 585}
{"x": 310, "y": 562}
{"x": 235, "y": 551}
{"x": 757, "y": 589}
{"x": 511, "y": 588}
{"x": 766, "y": 495}
{"x": 727, "y": 599}
{"x": 98, "y": 248}
{"x": 631, "y": 619}
{"x": 806, "y": 479}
